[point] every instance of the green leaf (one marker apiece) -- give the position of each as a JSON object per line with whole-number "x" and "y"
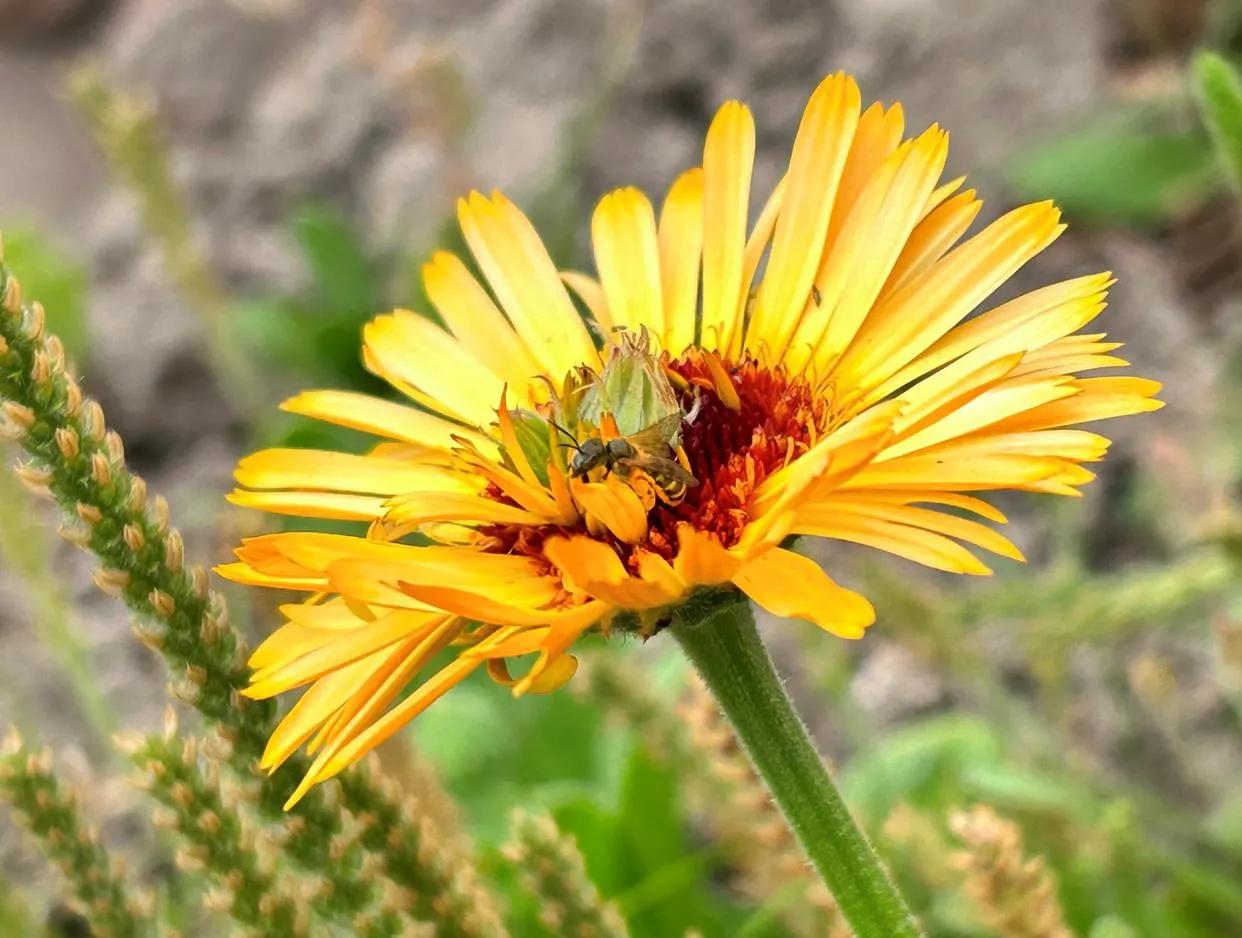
{"x": 1218, "y": 90}
{"x": 57, "y": 280}
{"x": 534, "y": 437}
{"x": 1121, "y": 170}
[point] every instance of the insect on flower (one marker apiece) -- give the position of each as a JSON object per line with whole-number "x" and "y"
{"x": 634, "y": 404}
{"x": 831, "y": 368}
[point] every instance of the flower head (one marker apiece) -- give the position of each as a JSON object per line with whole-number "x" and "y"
{"x": 557, "y": 473}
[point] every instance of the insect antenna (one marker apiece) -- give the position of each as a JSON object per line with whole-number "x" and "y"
{"x": 573, "y": 441}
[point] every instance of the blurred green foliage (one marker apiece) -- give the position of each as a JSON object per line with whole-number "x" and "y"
{"x": 316, "y": 335}
{"x": 59, "y": 280}
{"x": 1131, "y": 169}
{"x": 1218, "y": 90}
{"x": 1122, "y": 860}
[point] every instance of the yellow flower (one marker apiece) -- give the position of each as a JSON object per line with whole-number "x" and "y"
{"x": 847, "y": 393}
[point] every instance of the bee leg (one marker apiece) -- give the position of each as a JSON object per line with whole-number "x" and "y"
{"x": 646, "y": 490}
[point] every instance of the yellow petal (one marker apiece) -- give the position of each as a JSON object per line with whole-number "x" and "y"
{"x": 333, "y": 614}
{"x": 790, "y": 585}
{"x": 878, "y": 134}
{"x": 835, "y": 458}
{"x": 627, "y": 255}
{"x": 566, "y": 630}
{"x": 752, "y": 257}
{"x": 930, "y": 470}
{"x": 963, "y": 529}
{"x": 317, "y": 551}
{"x": 1014, "y": 396}
{"x": 531, "y": 495}
{"x": 347, "y": 647}
{"x": 555, "y": 675}
{"x": 328, "y": 471}
{"x": 681, "y": 244}
{"x": 950, "y": 388}
{"x": 1070, "y": 304}
{"x": 1098, "y": 399}
{"x": 553, "y": 678}
{"x": 728, "y": 157}
{"x": 1035, "y": 340}
{"x": 867, "y": 247}
{"x": 289, "y": 642}
{"x": 246, "y": 575}
{"x": 519, "y": 581}
{"x": 1074, "y": 445}
{"x": 522, "y": 641}
{"x": 916, "y": 544}
{"x": 325, "y": 698}
{"x": 524, "y": 279}
{"x": 363, "y": 731}
{"x": 932, "y": 238}
{"x": 380, "y": 688}
{"x": 941, "y": 195}
{"x": 473, "y": 318}
{"x": 891, "y": 497}
{"x": 410, "y": 349}
{"x": 929, "y": 305}
{"x": 331, "y": 505}
{"x": 383, "y": 418}
{"x": 819, "y": 153}
{"x": 591, "y": 293}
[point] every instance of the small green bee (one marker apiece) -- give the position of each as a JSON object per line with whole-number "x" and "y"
{"x": 635, "y": 392}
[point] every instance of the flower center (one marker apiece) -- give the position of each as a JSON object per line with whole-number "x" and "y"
{"x": 746, "y": 421}
{"x": 733, "y": 446}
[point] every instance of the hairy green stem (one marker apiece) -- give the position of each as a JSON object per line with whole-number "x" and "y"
{"x": 554, "y": 873}
{"x": 721, "y": 641}
{"x": 215, "y": 836}
{"x": 74, "y": 459}
{"x": 29, "y": 785}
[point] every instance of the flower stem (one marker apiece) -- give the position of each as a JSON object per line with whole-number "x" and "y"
{"x": 722, "y": 642}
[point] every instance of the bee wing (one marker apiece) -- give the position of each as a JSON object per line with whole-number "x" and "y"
{"x": 659, "y": 436}
{"x": 659, "y": 468}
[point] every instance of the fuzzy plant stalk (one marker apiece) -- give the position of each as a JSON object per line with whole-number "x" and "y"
{"x": 418, "y": 852}
{"x": 719, "y": 637}
{"x": 51, "y": 815}
{"x": 128, "y": 133}
{"x": 1014, "y": 893}
{"x": 126, "y": 128}
{"x": 74, "y": 459}
{"x": 215, "y": 839}
{"x": 553, "y": 872}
